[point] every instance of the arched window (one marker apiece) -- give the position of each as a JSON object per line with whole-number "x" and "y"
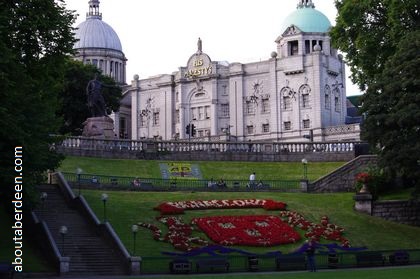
{"x": 327, "y": 97}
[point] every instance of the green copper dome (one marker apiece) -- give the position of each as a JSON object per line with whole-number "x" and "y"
{"x": 307, "y": 19}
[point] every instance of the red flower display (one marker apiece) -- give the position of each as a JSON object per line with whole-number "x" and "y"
{"x": 315, "y": 231}
{"x": 179, "y": 207}
{"x": 256, "y": 230}
{"x": 362, "y": 177}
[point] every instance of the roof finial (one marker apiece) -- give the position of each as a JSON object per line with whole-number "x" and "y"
{"x": 94, "y": 10}
{"x": 199, "y": 46}
{"x": 305, "y": 4}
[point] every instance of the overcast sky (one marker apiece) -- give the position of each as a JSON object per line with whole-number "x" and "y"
{"x": 158, "y": 36}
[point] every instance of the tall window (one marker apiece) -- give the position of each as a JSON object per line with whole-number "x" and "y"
{"x": 337, "y": 101}
{"x": 287, "y": 125}
{"x": 327, "y": 97}
{"x": 207, "y": 112}
{"x": 293, "y": 48}
{"x": 177, "y": 120}
{"x": 306, "y": 124}
{"x": 155, "y": 118}
{"x": 287, "y": 104}
{"x": 143, "y": 119}
{"x": 224, "y": 110}
{"x": 305, "y": 101}
{"x": 266, "y": 128}
{"x": 265, "y": 106}
{"x": 250, "y": 129}
{"x": 250, "y": 108}
{"x": 201, "y": 113}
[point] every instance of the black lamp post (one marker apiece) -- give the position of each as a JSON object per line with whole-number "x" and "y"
{"x": 63, "y": 232}
{"x": 43, "y": 198}
{"x": 78, "y": 172}
{"x": 104, "y": 199}
{"x": 134, "y": 230}
{"x": 305, "y": 168}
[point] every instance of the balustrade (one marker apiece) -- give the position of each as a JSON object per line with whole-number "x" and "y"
{"x": 207, "y": 146}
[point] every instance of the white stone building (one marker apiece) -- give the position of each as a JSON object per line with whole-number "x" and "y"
{"x": 298, "y": 94}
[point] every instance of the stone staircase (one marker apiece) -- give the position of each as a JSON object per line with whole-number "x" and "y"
{"x": 89, "y": 253}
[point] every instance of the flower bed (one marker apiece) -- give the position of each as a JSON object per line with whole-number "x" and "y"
{"x": 257, "y": 230}
{"x": 169, "y": 208}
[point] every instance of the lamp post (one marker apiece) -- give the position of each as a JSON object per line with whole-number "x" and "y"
{"x": 104, "y": 198}
{"x": 305, "y": 168}
{"x": 78, "y": 172}
{"x": 63, "y": 232}
{"x": 43, "y": 198}
{"x": 134, "y": 230}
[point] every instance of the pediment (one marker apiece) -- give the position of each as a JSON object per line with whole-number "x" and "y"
{"x": 291, "y": 30}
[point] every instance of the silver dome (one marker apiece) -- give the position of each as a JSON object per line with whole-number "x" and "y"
{"x": 94, "y": 33}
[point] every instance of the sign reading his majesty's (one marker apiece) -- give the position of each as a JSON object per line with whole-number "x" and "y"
{"x": 199, "y": 64}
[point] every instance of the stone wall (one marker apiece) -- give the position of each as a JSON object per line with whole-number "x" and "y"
{"x": 404, "y": 212}
{"x": 343, "y": 178}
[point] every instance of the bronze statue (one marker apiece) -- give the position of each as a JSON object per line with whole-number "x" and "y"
{"x": 96, "y": 102}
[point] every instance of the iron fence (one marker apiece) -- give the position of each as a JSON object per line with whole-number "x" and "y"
{"x": 95, "y": 181}
{"x": 241, "y": 263}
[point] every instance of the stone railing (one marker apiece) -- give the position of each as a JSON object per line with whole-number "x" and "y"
{"x": 341, "y": 129}
{"x": 208, "y": 150}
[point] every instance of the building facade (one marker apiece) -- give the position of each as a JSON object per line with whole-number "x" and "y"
{"x": 297, "y": 94}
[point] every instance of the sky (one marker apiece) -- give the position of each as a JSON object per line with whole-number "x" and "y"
{"x": 158, "y": 36}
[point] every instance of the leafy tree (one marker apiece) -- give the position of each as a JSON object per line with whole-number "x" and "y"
{"x": 393, "y": 106}
{"x": 35, "y": 39}
{"x": 381, "y": 42}
{"x": 73, "y": 99}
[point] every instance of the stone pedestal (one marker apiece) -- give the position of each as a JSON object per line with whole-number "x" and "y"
{"x": 99, "y": 128}
{"x": 304, "y": 185}
{"x": 363, "y": 202}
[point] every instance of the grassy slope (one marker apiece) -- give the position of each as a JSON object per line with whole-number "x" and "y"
{"x": 226, "y": 170}
{"x": 127, "y": 208}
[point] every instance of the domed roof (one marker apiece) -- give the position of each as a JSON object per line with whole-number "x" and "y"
{"x": 95, "y": 33}
{"x": 307, "y": 19}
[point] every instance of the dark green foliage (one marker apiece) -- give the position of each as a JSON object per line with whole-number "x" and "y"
{"x": 35, "y": 38}
{"x": 73, "y": 99}
{"x": 381, "y": 41}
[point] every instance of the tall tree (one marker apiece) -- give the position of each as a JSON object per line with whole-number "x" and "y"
{"x": 381, "y": 42}
{"x": 73, "y": 99}
{"x": 36, "y": 36}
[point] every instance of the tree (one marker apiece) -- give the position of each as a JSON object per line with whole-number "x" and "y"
{"x": 368, "y": 32}
{"x": 73, "y": 99}
{"x": 35, "y": 39}
{"x": 381, "y": 42}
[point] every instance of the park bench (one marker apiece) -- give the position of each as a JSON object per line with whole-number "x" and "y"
{"x": 366, "y": 259}
{"x": 399, "y": 258}
{"x": 212, "y": 265}
{"x": 291, "y": 262}
{"x": 180, "y": 266}
{"x": 6, "y": 270}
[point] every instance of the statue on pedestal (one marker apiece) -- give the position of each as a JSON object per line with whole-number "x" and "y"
{"x": 96, "y": 102}
{"x": 99, "y": 125}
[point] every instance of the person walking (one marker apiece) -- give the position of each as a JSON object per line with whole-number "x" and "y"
{"x": 310, "y": 253}
{"x": 251, "y": 179}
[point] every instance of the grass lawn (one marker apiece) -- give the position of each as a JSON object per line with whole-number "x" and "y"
{"x": 127, "y": 208}
{"x": 216, "y": 170}
{"x": 411, "y": 272}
